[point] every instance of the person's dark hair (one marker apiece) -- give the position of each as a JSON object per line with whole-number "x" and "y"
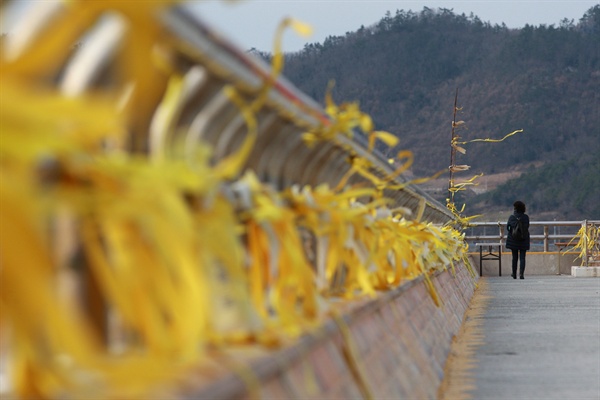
{"x": 519, "y": 206}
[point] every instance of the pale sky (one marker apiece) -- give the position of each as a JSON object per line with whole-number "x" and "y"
{"x": 252, "y": 23}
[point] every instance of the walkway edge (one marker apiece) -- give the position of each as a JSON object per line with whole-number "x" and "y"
{"x": 458, "y": 379}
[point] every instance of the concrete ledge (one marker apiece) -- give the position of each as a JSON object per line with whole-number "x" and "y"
{"x": 585, "y": 272}
{"x": 393, "y": 346}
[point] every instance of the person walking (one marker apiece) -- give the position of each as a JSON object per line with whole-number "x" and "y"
{"x": 518, "y": 239}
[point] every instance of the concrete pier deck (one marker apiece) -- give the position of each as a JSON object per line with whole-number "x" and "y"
{"x": 541, "y": 339}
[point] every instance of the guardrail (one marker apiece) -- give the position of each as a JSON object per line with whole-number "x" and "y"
{"x": 281, "y": 157}
{"x": 177, "y": 97}
{"x": 543, "y": 233}
{"x": 208, "y": 64}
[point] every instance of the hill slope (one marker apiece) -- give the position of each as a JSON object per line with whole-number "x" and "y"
{"x": 405, "y": 70}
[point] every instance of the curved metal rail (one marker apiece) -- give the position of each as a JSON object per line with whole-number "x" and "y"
{"x": 209, "y": 63}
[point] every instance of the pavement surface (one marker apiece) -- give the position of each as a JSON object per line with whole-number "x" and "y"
{"x": 541, "y": 339}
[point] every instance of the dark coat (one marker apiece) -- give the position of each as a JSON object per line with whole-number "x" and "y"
{"x": 511, "y": 243}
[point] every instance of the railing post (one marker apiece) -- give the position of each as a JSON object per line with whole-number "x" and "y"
{"x": 545, "y": 238}
{"x": 501, "y": 233}
{"x": 585, "y": 241}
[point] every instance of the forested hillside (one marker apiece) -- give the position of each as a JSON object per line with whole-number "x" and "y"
{"x": 404, "y": 72}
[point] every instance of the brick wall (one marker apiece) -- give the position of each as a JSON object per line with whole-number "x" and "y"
{"x": 394, "y": 346}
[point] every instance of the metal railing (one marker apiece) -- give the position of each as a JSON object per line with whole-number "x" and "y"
{"x": 542, "y": 233}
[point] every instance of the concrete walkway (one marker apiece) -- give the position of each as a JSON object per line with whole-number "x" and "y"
{"x": 541, "y": 339}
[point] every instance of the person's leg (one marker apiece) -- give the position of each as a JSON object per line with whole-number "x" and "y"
{"x": 515, "y": 258}
{"x": 522, "y": 261}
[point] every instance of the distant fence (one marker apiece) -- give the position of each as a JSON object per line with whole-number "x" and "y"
{"x": 543, "y": 233}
